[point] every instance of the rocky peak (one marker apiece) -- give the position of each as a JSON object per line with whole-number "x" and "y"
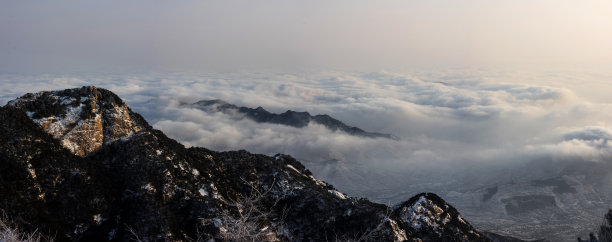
{"x": 430, "y": 215}
{"x": 216, "y": 103}
{"x": 83, "y": 119}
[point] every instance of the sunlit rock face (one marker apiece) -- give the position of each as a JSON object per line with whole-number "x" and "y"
{"x": 435, "y": 220}
{"x": 83, "y": 119}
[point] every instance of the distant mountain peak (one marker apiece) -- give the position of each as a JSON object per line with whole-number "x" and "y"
{"x": 83, "y": 119}
{"x": 429, "y": 213}
{"x": 289, "y": 118}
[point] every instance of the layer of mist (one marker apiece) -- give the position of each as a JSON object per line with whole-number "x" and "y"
{"x": 507, "y": 151}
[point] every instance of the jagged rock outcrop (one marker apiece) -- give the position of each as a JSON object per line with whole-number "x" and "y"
{"x": 289, "y": 118}
{"x": 129, "y": 180}
{"x": 82, "y": 119}
{"x": 430, "y": 215}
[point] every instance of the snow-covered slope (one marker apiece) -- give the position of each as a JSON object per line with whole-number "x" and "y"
{"x": 429, "y": 214}
{"x": 82, "y": 119}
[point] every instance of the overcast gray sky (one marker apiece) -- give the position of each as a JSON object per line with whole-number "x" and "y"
{"x": 64, "y": 36}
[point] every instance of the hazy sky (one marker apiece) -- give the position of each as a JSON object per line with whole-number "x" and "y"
{"x": 63, "y": 36}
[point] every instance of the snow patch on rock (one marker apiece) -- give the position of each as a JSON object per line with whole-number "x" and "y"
{"x": 293, "y": 168}
{"x": 195, "y": 172}
{"x": 81, "y": 119}
{"x": 425, "y": 213}
{"x": 203, "y": 192}
{"x": 97, "y": 218}
{"x": 337, "y": 194}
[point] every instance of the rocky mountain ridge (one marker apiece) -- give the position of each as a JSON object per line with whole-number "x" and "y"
{"x": 79, "y": 165}
{"x": 289, "y": 118}
{"x": 82, "y": 119}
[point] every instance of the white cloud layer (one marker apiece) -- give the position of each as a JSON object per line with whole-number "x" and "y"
{"x": 454, "y": 123}
{"x": 462, "y": 131}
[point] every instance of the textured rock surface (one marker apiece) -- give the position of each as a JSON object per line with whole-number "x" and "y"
{"x": 82, "y": 119}
{"x": 105, "y": 174}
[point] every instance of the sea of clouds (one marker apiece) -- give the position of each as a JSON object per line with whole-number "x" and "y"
{"x": 461, "y": 132}
{"x": 454, "y": 126}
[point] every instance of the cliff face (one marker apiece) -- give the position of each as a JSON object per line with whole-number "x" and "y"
{"x": 80, "y": 165}
{"x": 82, "y": 119}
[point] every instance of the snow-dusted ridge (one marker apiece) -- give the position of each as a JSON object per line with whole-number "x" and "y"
{"x": 83, "y": 119}
{"x": 428, "y": 213}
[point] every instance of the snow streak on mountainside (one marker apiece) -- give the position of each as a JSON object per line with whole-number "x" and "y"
{"x": 140, "y": 183}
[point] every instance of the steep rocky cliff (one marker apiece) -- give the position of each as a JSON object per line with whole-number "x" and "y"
{"x": 82, "y": 119}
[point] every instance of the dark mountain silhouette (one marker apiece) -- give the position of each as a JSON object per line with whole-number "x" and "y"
{"x": 289, "y": 118}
